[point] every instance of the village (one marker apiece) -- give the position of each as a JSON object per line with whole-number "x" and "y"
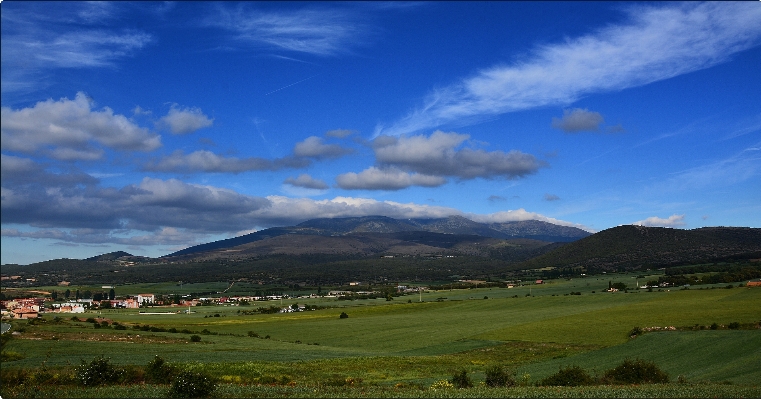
{"x": 50, "y": 303}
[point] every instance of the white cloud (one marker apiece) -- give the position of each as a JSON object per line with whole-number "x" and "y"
{"x": 39, "y": 39}
{"x": 71, "y": 130}
{"x": 185, "y": 120}
{"x": 207, "y": 161}
{"x": 322, "y": 32}
{"x": 519, "y": 215}
{"x": 438, "y": 155}
{"x": 658, "y": 42}
{"x": 313, "y": 147}
{"x": 391, "y": 179}
{"x": 306, "y": 181}
{"x": 578, "y": 120}
{"x": 654, "y": 221}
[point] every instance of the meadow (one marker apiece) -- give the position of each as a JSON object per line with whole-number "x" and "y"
{"x": 403, "y": 346}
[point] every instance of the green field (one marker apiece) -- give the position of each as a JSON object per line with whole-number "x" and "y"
{"x": 406, "y": 341}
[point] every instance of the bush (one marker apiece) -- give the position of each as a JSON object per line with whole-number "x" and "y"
{"x": 461, "y": 380}
{"x": 636, "y": 372}
{"x": 189, "y": 384}
{"x": 571, "y": 376}
{"x": 253, "y": 334}
{"x": 158, "y": 371}
{"x": 195, "y": 338}
{"x": 343, "y": 315}
{"x": 734, "y": 325}
{"x": 98, "y": 372}
{"x": 496, "y": 376}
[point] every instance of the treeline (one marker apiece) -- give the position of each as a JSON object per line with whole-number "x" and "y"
{"x": 743, "y": 274}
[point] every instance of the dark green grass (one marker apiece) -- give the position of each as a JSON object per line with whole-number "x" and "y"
{"x": 733, "y": 356}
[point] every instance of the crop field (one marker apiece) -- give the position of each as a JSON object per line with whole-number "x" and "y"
{"x": 407, "y": 344}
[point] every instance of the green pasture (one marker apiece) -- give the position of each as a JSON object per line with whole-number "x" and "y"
{"x": 733, "y": 356}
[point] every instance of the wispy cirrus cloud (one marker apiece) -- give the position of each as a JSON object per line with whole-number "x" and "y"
{"x": 38, "y": 40}
{"x": 324, "y": 31}
{"x": 656, "y": 43}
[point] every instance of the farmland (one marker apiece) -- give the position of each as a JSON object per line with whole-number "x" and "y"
{"x": 416, "y": 340}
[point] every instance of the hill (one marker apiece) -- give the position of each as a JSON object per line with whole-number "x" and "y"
{"x": 356, "y": 230}
{"x": 633, "y": 247}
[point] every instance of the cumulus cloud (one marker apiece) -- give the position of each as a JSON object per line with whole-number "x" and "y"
{"x": 306, "y": 181}
{"x": 323, "y": 32}
{"x": 23, "y": 171}
{"x": 578, "y": 120}
{"x": 656, "y": 43}
{"x": 339, "y": 133}
{"x": 438, "y": 155}
{"x": 654, "y": 221}
{"x": 390, "y": 179}
{"x": 147, "y": 206}
{"x": 185, "y": 120}
{"x": 71, "y": 130}
{"x": 551, "y": 197}
{"x": 313, "y": 147}
{"x": 207, "y": 161}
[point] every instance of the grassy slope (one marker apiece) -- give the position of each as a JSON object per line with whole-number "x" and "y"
{"x": 733, "y": 356}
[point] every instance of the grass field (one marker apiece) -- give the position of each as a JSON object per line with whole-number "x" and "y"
{"x": 417, "y": 343}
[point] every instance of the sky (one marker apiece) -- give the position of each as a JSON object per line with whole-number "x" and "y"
{"x": 149, "y": 127}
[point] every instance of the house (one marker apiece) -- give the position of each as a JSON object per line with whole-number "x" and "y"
{"x": 753, "y": 284}
{"x": 24, "y": 313}
{"x": 145, "y": 298}
{"x": 539, "y": 281}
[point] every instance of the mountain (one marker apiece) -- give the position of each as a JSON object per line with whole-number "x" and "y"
{"x": 110, "y": 256}
{"x": 364, "y": 235}
{"x": 631, "y": 247}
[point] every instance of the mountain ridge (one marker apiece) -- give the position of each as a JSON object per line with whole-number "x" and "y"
{"x": 534, "y": 229}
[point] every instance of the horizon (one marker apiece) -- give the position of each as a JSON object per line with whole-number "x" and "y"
{"x": 152, "y": 127}
{"x": 349, "y": 217}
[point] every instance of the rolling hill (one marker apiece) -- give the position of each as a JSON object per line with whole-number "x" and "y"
{"x": 632, "y": 247}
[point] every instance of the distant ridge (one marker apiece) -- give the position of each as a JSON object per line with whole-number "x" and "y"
{"x": 332, "y": 227}
{"x": 110, "y": 256}
{"x": 631, "y": 247}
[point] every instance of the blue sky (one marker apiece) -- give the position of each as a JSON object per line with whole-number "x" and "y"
{"x": 148, "y": 127}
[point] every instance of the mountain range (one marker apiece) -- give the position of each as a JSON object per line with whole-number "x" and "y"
{"x": 383, "y": 235}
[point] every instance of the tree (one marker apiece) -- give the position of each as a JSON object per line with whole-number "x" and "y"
{"x": 111, "y": 294}
{"x": 67, "y": 294}
{"x": 54, "y": 295}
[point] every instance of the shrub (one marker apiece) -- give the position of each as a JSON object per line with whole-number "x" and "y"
{"x": 571, "y": 376}
{"x": 636, "y": 372}
{"x": 734, "y": 325}
{"x": 636, "y": 331}
{"x": 173, "y": 330}
{"x": 99, "y": 371}
{"x": 714, "y": 326}
{"x": 91, "y": 320}
{"x": 195, "y": 338}
{"x": 343, "y": 315}
{"x": 461, "y": 380}
{"x": 189, "y": 384}
{"x": 158, "y": 371}
{"x": 496, "y": 376}
{"x": 119, "y": 327}
{"x": 253, "y": 334}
